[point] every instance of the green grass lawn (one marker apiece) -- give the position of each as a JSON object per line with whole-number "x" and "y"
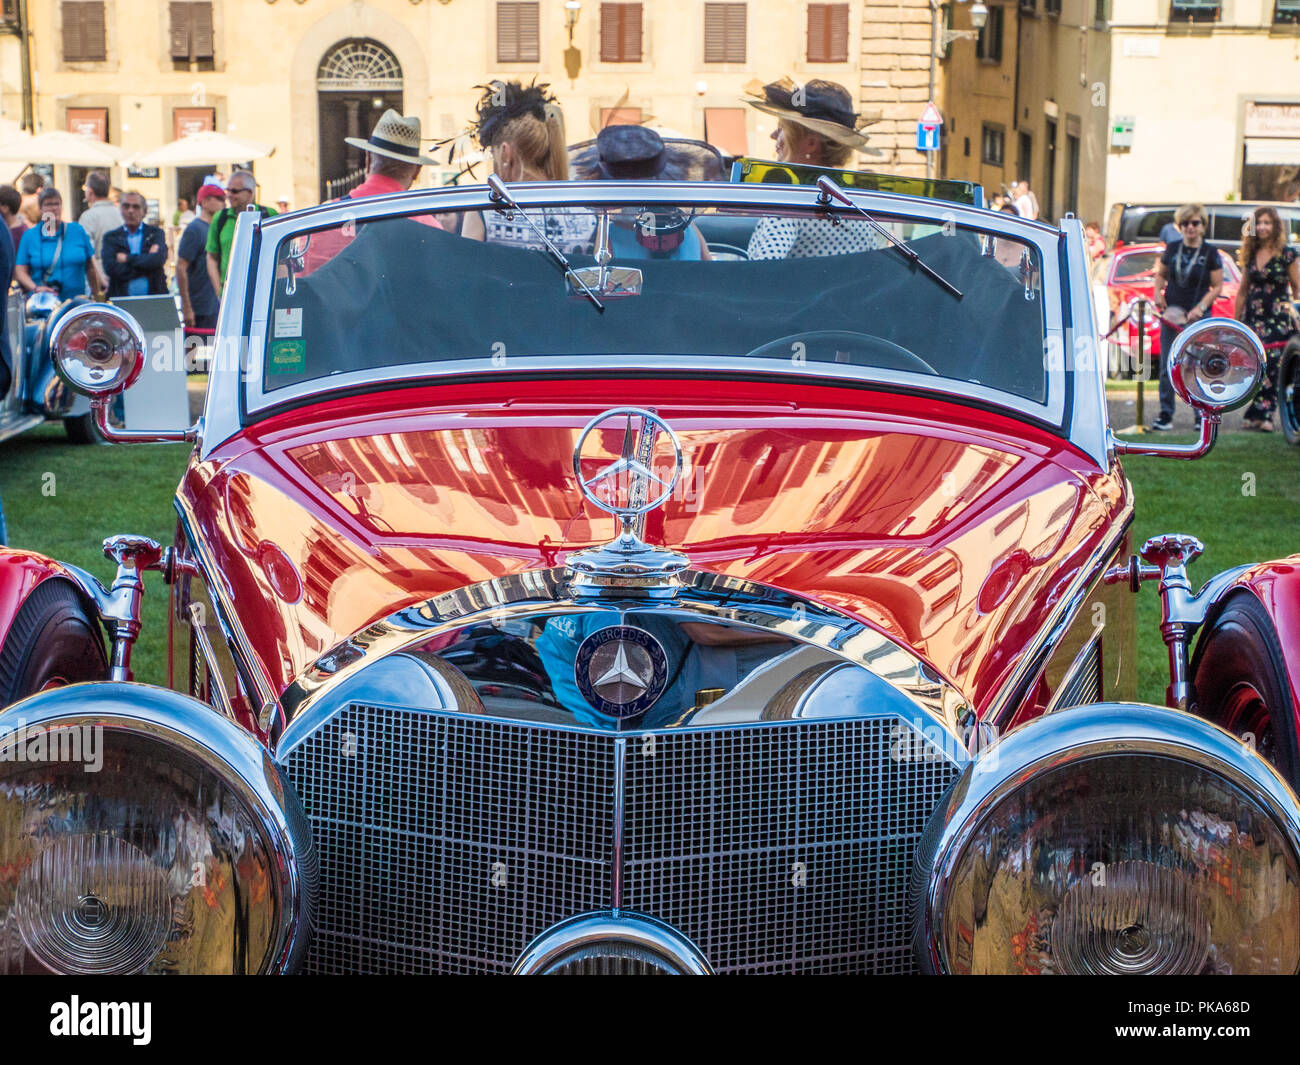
{"x": 1242, "y": 501}
{"x": 63, "y": 500}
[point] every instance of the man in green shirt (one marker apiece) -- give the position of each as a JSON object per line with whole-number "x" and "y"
{"x": 221, "y": 233}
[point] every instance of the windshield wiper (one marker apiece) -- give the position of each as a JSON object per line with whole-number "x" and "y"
{"x": 831, "y": 191}
{"x": 499, "y": 195}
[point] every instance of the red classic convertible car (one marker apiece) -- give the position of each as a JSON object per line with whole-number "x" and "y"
{"x": 611, "y": 609}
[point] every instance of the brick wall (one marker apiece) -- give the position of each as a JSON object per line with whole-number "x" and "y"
{"x": 896, "y": 79}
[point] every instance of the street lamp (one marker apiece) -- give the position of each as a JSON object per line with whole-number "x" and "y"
{"x": 940, "y": 38}
{"x": 979, "y": 14}
{"x": 572, "y": 9}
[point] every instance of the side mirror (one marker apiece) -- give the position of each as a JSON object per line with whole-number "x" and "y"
{"x": 98, "y": 350}
{"x": 1215, "y": 366}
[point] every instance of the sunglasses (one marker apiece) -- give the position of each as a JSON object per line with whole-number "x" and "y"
{"x": 1193, "y": 222}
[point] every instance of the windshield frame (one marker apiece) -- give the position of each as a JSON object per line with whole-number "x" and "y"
{"x": 255, "y": 403}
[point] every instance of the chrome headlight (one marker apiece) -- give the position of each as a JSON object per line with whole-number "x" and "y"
{"x": 98, "y": 349}
{"x": 1216, "y": 364}
{"x": 1112, "y": 839}
{"x": 140, "y": 831}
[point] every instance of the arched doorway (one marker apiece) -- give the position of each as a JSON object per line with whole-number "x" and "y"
{"x": 356, "y": 81}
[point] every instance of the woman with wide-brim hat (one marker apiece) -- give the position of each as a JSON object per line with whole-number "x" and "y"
{"x": 817, "y": 127}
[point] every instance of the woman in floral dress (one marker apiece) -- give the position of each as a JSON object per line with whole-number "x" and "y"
{"x": 1270, "y": 272}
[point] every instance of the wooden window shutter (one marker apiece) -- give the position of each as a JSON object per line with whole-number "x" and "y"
{"x": 818, "y": 33}
{"x": 507, "y": 32}
{"x": 518, "y": 32}
{"x": 530, "y": 37}
{"x": 96, "y": 36}
{"x": 839, "y": 33}
{"x": 724, "y": 33}
{"x": 84, "y": 38}
{"x": 620, "y": 33}
{"x": 632, "y": 17}
{"x": 180, "y": 30}
{"x": 74, "y": 38}
{"x": 828, "y": 33}
{"x": 611, "y": 33}
{"x": 201, "y": 31}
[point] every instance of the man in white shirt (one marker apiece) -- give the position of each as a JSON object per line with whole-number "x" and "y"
{"x": 1026, "y": 201}
{"x": 101, "y": 213}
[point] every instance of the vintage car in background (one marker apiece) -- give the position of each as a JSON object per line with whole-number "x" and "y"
{"x": 606, "y": 608}
{"x": 35, "y": 392}
{"x": 1288, "y": 390}
{"x": 1127, "y": 275}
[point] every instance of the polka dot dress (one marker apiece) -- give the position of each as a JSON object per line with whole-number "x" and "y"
{"x": 806, "y": 238}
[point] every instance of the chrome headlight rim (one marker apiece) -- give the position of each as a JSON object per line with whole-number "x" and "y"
{"x": 1070, "y": 737}
{"x": 126, "y": 375}
{"x": 221, "y": 748}
{"x": 1184, "y": 360}
{"x": 568, "y": 938}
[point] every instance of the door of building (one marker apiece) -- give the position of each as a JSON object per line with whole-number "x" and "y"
{"x": 357, "y": 81}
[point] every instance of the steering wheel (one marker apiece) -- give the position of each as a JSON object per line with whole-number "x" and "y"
{"x": 889, "y": 356}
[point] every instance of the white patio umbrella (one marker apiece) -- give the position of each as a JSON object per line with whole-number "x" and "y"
{"x": 198, "y": 149}
{"x": 59, "y": 146}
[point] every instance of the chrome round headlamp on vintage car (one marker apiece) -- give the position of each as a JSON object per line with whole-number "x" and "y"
{"x": 145, "y": 833}
{"x": 98, "y": 350}
{"x": 1112, "y": 839}
{"x": 1216, "y": 364}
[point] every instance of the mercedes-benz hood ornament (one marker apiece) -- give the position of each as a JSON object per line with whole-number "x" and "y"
{"x": 631, "y": 486}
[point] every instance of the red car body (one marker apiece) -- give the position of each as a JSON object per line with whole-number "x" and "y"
{"x": 969, "y": 550}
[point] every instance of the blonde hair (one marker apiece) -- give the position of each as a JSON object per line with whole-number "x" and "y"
{"x": 1189, "y": 211}
{"x": 540, "y": 144}
{"x": 830, "y": 152}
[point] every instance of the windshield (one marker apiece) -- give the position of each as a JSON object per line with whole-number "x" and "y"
{"x": 627, "y": 285}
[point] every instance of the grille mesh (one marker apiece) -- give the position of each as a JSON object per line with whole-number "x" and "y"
{"x": 1083, "y": 685}
{"x": 782, "y": 849}
{"x": 447, "y": 844}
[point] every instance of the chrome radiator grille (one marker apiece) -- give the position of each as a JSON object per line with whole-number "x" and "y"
{"x": 1084, "y": 684}
{"x": 447, "y": 844}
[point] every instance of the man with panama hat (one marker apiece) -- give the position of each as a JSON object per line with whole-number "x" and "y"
{"x": 393, "y": 162}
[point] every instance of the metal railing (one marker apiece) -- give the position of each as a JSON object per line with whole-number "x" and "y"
{"x": 342, "y": 186}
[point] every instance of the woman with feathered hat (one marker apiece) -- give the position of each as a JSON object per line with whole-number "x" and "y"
{"x": 522, "y": 126}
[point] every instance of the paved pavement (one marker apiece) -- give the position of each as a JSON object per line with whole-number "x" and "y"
{"x": 1123, "y": 412}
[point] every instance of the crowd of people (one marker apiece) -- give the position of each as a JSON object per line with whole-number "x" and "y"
{"x": 113, "y": 251}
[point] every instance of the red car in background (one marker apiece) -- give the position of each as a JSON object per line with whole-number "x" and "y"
{"x": 1130, "y": 273}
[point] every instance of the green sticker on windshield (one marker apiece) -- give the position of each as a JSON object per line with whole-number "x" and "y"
{"x": 287, "y": 356}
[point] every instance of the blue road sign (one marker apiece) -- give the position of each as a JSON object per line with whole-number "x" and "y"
{"x": 927, "y": 138}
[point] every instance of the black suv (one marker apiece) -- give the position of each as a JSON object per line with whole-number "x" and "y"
{"x": 1139, "y": 223}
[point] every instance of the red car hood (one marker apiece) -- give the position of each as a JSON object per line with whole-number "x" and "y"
{"x": 951, "y": 529}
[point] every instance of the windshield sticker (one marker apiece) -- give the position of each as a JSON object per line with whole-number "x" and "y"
{"x": 287, "y": 356}
{"x": 288, "y": 322}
